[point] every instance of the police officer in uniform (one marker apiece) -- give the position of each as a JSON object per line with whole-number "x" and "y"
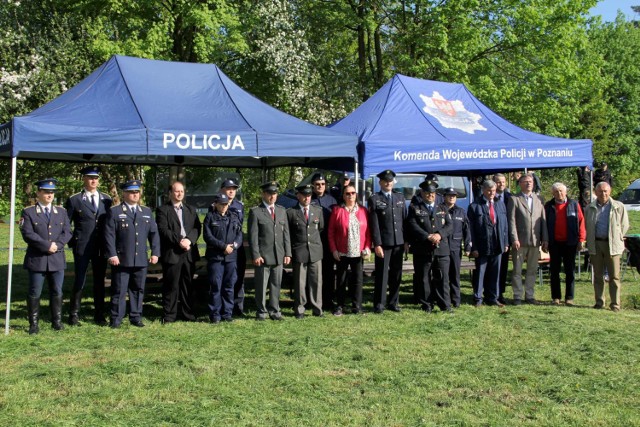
{"x": 230, "y": 188}
{"x": 87, "y": 212}
{"x": 128, "y": 228}
{"x": 386, "y": 217}
{"x": 306, "y": 224}
{"x": 459, "y": 239}
{"x": 45, "y": 228}
{"x": 429, "y": 227}
{"x": 270, "y": 248}
{"x": 223, "y": 236}
{"x": 321, "y": 197}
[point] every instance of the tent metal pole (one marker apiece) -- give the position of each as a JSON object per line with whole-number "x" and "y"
{"x": 12, "y": 229}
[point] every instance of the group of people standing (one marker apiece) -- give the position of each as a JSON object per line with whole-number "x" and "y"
{"x": 325, "y": 237}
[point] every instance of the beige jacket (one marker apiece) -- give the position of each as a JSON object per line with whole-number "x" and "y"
{"x": 618, "y": 227}
{"x": 529, "y": 227}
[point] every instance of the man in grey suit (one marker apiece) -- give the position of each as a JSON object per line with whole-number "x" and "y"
{"x": 270, "y": 248}
{"x": 306, "y": 222}
{"x": 527, "y": 233}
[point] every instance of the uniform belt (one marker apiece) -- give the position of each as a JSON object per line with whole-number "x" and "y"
{"x": 601, "y": 239}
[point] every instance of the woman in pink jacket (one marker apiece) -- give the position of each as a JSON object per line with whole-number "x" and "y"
{"x": 349, "y": 242}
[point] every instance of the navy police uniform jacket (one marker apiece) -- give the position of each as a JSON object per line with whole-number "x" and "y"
{"x": 421, "y": 223}
{"x": 127, "y": 238}
{"x": 88, "y": 223}
{"x": 306, "y": 244}
{"x": 386, "y": 218}
{"x": 39, "y": 233}
{"x": 220, "y": 231}
{"x": 460, "y": 230}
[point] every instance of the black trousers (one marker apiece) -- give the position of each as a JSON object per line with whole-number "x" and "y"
{"x": 177, "y": 290}
{"x": 455, "y": 257}
{"x": 99, "y": 269}
{"x": 433, "y": 274}
{"x": 388, "y": 271}
{"x": 355, "y": 287}
{"x": 562, "y": 254}
{"x": 328, "y": 278}
{"x": 238, "y": 288}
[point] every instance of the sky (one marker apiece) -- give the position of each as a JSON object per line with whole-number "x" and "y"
{"x": 609, "y": 9}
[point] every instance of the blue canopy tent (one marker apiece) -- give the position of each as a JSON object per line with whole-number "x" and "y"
{"x": 133, "y": 110}
{"x": 415, "y": 125}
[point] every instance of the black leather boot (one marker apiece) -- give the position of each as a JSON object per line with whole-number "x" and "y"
{"x": 56, "y": 313}
{"x": 33, "y": 308}
{"x": 76, "y": 299}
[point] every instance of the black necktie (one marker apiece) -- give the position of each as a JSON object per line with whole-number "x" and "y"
{"x": 47, "y": 214}
{"x": 93, "y": 202}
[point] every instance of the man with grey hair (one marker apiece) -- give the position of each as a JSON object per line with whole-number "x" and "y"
{"x": 607, "y": 223}
{"x": 489, "y": 237}
{"x": 527, "y": 233}
{"x": 567, "y": 234}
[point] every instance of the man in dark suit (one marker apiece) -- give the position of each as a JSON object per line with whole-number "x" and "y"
{"x": 502, "y": 194}
{"x": 321, "y": 197}
{"x": 429, "y": 226}
{"x": 489, "y": 240}
{"x": 45, "y": 228}
{"x": 179, "y": 228}
{"x": 270, "y": 248}
{"x": 87, "y": 212}
{"x": 386, "y": 217}
{"x": 128, "y": 228}
{"x": 305, "y": 226}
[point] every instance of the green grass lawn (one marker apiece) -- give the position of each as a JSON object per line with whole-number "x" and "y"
{"x": 526, "y": 365}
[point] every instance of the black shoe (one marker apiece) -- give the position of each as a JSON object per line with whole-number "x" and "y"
{"x": 34, "y": 329}
{"x": 395, "y": 308}
{"x": 73, "y": 320}
{"x": 478, "y": 304}
{"x": 517, "y": 302}
{"x": 137, "y": 323}
{"x": 228, "y": 320}
{"x": 501, "y": 300}
{"x": 378, "y": 311}
{"x": 215, "y": 321}
{"x": 260, "y": 319}
{"x": 113, "y": 325}
{"x": 277, "y": 318}
{"x": 337, "y": 312}
{"x": 100, "y": 321}
{"x": 300, "y": 316}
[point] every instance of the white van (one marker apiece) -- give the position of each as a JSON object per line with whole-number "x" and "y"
{"x": 631, "y": 196}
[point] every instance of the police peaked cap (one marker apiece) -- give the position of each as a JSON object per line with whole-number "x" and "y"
{"x": 317, "y": 177}
{"x": 221, "y": 198}
{"x": 131, "y": 185}
{"x": 304, "y": 189}
{"x": 90, "y": 171}
{"x": 450, "y": 191}
{"x": 429, "y": 186}
{"x": 431, "y": 177}
{"x": 229, "y": 183}
{"x": 49, "y": 184}
{"x": 270, "y": 187}
{"x": 387, "y": 175}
